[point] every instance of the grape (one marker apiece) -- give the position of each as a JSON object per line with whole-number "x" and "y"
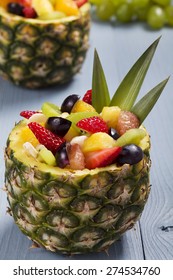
{"x": 124, "y": 13}
{"x": 169, "y": 15}
{"x": 156, "y": 17}
{"x": 69, "y": 102}
{"x": 162, "y": 2}
{"x": 58, "y": 125}
{"x": 130, "y": 154}
{"x": 105, "y": 10}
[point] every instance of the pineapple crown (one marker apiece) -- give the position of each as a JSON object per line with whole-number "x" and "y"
{"x": 128, "y": 90}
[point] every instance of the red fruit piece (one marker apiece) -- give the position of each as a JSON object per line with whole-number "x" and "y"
{"x": 88, "y": 97}
{"x": 101, "y": 158}
{"x": 93, "y": 125}
{"x": 27, "y": 114}
{"x": 29, "y": 12}
{"x": 25, "y": 3}
{"x": 76, "y": 157}
{"x": 79, "y": 3}
{"x": 126, "y": 121}
{"x": 51, "y": 141}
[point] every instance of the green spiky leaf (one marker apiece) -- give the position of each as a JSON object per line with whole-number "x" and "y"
{"x": 145, "y": 104}
{"x": 100, "y": 92}
{"x": 129, "y": 88}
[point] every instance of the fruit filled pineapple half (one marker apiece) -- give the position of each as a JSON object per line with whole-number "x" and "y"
{"x": 77, "y": 175}
{"x": 43, "y": 44}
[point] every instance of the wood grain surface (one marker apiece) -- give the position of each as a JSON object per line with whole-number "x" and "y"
{"x": 118, "y": 48}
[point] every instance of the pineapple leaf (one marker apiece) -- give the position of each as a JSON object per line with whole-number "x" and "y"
{"x": 129, "y": 88}
{"x": 100, "y": 92}
{"x": 145, "y": 104}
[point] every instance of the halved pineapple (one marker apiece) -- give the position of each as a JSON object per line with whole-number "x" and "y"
{"x": 37, "y": 52}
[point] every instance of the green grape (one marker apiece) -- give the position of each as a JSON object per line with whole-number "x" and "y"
{"x": 142, "y": 13}
{"x": 169, "y": 15}
{"x": 156, "y": 17}
{"x": 105, "y": 10}
{"x": 124, "y": 13}
{"x": 162, "y": 2}
{"x": 136, "y": 4}
{"x": 95, "y": 2}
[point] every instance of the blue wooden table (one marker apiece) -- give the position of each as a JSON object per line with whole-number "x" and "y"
{"x": 118, "y": 48}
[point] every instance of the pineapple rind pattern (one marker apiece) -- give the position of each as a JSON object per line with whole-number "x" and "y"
{"x": 38, "y": 54}
{"x": 71, "y": 212}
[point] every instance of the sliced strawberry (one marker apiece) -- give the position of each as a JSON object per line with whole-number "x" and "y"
{"x": 27, "y": 114}
{"x": 79, "y": 3}
{"x": 29, "y": 12}
{"x": 88, "y": 97}
{"x": 101, "y": 158}
{"x": 93, "y": 125}
{"x": 51, "y": 141}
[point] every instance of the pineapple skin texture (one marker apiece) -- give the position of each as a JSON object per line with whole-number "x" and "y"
{"x": 69, "y": 211}
{"x": 36, "y": 54}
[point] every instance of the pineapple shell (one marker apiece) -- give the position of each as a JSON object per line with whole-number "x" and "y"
{"x": 72, "y": 211}
{"x": 37, "y": 53}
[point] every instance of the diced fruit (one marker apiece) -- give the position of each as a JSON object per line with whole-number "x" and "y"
{"x": 53, "y": 15}
{"x": 113, "y": 133}
{"x": 38, "y": 117}
{"x": 58, "y": 125}
{"x": 30, "y": 150}
{"x": 88, "y": 97}
{"x": 26, "y": 135}
{"x": 79, "y": 140}
{"x": 27, "y": 114}
{"x": 130, "y": 154}
{"x": 43, "y": 8}
{"x": 50, "y": 140}
{"x": 110, "y": 115}
{"x": 72, "y": 132}
{"x": 29, "y": 12}
{"x": 102, "y": 158}
{"x": 98, "y": 141}
{"x": 50, "y": 110}
{"x": 132, "y": 136}
{"x": 4, "y": 3}
{"x": 76, "y": 157}
{"x": 69, "y": 102}
{"x": 15, "y": 8}
{"x": 126, "y": 121}
{"x": 47, "y": 156}
{"x": 76, "y": 117}
{"x": 62, "y": 157}
{"x": 68, "y": 7}
{"x": 80, "y": 3}
{"x": 81, "y": 106}
{"x": 25, "y": 3}
{"x": 93, "y": 125}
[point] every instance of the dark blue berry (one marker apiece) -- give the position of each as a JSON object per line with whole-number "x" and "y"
{"x": 69, "y": 102}
{"x": 130, "y": 154}
{"x": 58, "y": 125}
{"x": 62, "y": 157}
{"x": 113, "y": 133}
{"x": 15, "y": 8}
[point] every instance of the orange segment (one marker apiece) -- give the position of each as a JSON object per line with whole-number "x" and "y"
{"x": 69, "y": 7}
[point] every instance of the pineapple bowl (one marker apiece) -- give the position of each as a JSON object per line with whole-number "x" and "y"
{"x": 77, "y": 175}
{"x": 43, "y": 44}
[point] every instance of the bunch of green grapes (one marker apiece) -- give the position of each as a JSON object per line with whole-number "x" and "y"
{"x": 156, "y": 13}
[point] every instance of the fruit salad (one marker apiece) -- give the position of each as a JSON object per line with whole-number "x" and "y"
{"x": 48, "y": 9}
{"x": 76, "y": 136}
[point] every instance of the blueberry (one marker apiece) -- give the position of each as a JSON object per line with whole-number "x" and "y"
{"x": 58, "y": 125}
{"x": 113, "y": 133}
{"x": 15, "y": 8}
{"x": 130, "y": 154}
{"x": 62, "y": 157}
{"x": 69, "y": 102}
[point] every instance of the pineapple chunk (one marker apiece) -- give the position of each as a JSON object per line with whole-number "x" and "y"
{"x": 98, "y": 141}
{"x": 81, "y": 106}
{"x": 43, "y": 8}
{"x": 68, "y": 7}
{"x": 26, "y": 135}
{"x": 110, "y": 115}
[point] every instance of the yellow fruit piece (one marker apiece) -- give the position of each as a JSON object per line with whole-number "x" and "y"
{"x": 4, "y": 3}
{"x": 68, "y": 7}
{"x": 26, "y": 135}
{"x": 98, "y": 141}
{"x": 43, "y": 7}
{"x": 110, "y": 115}
{"x": 81, "y": 106}
{"x": 72, "y": 132}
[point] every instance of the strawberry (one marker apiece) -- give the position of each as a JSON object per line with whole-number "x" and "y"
{"x": 29, "y": 12}
{"x": 79, "y": 3}
{"x": 101, "y": 158}
{"x": 50, "y": 140}
{"x": 93, "y": 125}
{"x": 88, "y": 97}
{"x": 27, "y": 114}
